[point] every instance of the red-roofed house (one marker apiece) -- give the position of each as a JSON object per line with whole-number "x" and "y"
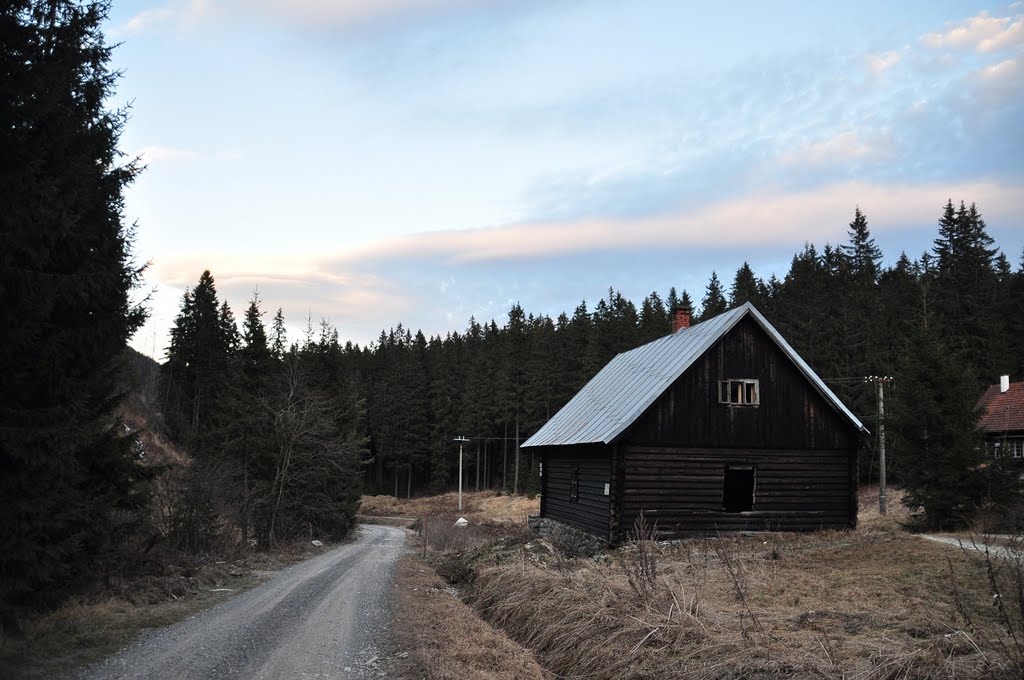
{"x": 1002, "y": 418}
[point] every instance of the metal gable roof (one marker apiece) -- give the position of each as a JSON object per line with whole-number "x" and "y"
{"x": 633, "y": 380}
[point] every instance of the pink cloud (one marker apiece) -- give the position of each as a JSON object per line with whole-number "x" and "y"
{"x": 764, "y": 218}
{"x": 983, "y": 33}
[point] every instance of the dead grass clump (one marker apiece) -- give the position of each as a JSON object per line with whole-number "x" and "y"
{"x": 587, "y": 622}
{"x": 446, "y": 639}
{"x": 897, "y": 517}
{"x": 440, "y": 534}
{"x": 642, "y": 569}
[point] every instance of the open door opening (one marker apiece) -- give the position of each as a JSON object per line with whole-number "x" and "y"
{"x": 738, "y": 489}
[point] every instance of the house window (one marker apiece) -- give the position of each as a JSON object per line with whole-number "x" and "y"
{"x": 745, "y": 392}
{"x": 738, "y": 489}
{"x": 574, "y": 484}
{"x": 1015, "y": 447}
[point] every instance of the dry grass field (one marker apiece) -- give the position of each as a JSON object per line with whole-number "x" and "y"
{"x": 871, "y": 604}
{"x": 477, "y": 507}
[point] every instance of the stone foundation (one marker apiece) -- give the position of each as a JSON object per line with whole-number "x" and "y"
{"x": 567, "y": 538}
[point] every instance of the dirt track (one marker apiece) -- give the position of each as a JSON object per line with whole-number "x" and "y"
{"x": 327, "y": 617}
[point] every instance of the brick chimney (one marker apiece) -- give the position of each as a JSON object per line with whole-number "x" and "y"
{"x": 1004, "y": 383}
{"x": 680, "y": 317}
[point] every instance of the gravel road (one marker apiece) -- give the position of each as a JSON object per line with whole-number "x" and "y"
{"x": 978, "y": 545}
{"x": 327, "y": 617}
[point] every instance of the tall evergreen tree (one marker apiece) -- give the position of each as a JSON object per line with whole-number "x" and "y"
{"x": 654, "y": 318}
{"x": 250, "y": 427}
{"x": 863, "y": 255}
{"x": 66, "y": 277}
{"x": 938, "y": 454}
{"x": 966, "y": 283}
{"x": 278, "y": 336}
{"x": 198, "y": 368}
{"x": 714, "y": 302}
{"x": 745, "y": 287}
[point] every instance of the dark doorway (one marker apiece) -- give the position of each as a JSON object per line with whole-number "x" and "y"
{"x": 738, "y": 489}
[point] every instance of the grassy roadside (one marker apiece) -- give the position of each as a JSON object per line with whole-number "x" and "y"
{"x": 91, "y": 627}
{"x": 445, "y": 638}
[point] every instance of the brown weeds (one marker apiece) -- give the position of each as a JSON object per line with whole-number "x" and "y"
{"x": 868, "y": 605}
{"x": 445, "y": 639}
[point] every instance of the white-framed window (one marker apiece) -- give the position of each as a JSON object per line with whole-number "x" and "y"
{"x": 743, "y": 392}
{"x": 1007, "y": 448}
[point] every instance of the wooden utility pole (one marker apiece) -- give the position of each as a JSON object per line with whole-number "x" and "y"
{"x": 461, "y": 440}
{"x": 883, "y": 504}
{"x": 515, "y": 488}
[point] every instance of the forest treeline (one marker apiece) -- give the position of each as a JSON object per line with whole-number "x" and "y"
{"x": 943, "y": 325}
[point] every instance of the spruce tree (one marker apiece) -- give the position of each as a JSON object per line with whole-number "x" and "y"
{"x": 937, "y": 452}
{"x": 654, "y": 318}
{"x": 966, "y": 283}
{"x": 745, "y": 287}
{"x": 863, "y": 255}
{"x": 66, "y": 278}
{"x": 714, "y": 302}
{"x": 198, "y": 369}
{"x": 279, "y": 336}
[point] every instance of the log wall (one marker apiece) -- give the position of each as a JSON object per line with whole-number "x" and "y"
{"x": 590, "y": 511}
{"x": 682, "y": 489}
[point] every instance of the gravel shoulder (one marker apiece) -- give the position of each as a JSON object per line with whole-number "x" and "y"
{"x": 327, "y": 617}
{"x": 968, "y": 544}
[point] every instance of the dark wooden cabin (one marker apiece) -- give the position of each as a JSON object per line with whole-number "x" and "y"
{"x": 716, "y": 427}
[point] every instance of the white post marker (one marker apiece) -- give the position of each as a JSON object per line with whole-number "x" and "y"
{"x": 461, "y": 441}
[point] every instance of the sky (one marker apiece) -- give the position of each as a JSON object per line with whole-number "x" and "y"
{"x": 372, "y": 162}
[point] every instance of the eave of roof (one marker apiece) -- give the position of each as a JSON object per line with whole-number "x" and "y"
{"x": 626, "y": 387}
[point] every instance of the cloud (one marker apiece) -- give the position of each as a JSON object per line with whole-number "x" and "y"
{"x": 757, "y": 219}
{"x": 176, "y": 11}
{"x": 156, "y": 154}
{"x": 843, "y": 148}
{"x": 996, "y": 84}
{"x": 413, "y": 278}
{"x": 306, "y": 13}
{"x": 145, "y": 19}
{"x": 879, "y": 63}
{"x": 300, "y": 285}
{"x": 333, "y": 13}
{"x": 1006, "y": 72}
{"x": 983, "y": 33}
